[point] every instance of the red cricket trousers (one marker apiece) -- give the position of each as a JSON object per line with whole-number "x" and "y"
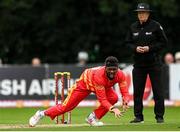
{"x": 76, "y": 94}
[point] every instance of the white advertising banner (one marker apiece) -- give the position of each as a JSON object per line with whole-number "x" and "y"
{"x": 174, "y": 81}
{"x": 148, "y": 88}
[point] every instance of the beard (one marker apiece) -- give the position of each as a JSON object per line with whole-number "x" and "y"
{"x": 110, "y": 76}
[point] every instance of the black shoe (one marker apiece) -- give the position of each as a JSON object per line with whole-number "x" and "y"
{"x": 160, "y": 120}
{"x": 137, "y": 120}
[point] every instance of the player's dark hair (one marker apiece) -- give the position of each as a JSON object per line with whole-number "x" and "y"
{"x": 111, "y": 61}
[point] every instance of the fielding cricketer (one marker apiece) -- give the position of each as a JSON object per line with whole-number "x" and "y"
{"x": 99, "y": 80}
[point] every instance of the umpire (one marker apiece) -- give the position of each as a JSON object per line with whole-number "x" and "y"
{"x": 146, "y": 38}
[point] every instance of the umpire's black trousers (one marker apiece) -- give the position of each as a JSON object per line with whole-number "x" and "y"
{"x": 139, "y": 80}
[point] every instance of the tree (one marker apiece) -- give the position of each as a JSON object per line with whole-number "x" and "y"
{"x": 56, "y": 30}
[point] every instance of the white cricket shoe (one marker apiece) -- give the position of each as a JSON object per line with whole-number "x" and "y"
{"x": 93, "y": 121}
{"x": 35, "y": 119}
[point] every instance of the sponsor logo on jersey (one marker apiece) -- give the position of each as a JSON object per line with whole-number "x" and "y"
{"x": 136, "y": 34}
{"x": 148, "y": 33}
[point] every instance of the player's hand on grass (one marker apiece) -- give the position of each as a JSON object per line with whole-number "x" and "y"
{"x": 117, "y": 112}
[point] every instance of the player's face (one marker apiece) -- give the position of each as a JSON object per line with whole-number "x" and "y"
{"x": 111, "y": 71}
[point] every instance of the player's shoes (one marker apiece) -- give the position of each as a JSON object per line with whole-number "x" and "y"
{"x": 93, "y": 121}
{"x": 35, "y": 119}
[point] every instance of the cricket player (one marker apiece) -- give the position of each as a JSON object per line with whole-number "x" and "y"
{"x": 99, "y": 80}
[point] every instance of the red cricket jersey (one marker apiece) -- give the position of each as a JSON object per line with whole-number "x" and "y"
{"x": 95, "y": 80}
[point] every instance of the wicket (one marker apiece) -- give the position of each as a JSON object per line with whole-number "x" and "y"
{"x": 62, "y": 80}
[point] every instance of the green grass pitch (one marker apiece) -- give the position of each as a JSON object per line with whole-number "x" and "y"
{"x": 16, "y": 119}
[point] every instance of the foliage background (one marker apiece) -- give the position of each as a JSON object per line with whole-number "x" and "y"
{"x": 56, "y": 30}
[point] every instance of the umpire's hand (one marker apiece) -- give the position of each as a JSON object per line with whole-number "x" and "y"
{"x": 140, "y": 49}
